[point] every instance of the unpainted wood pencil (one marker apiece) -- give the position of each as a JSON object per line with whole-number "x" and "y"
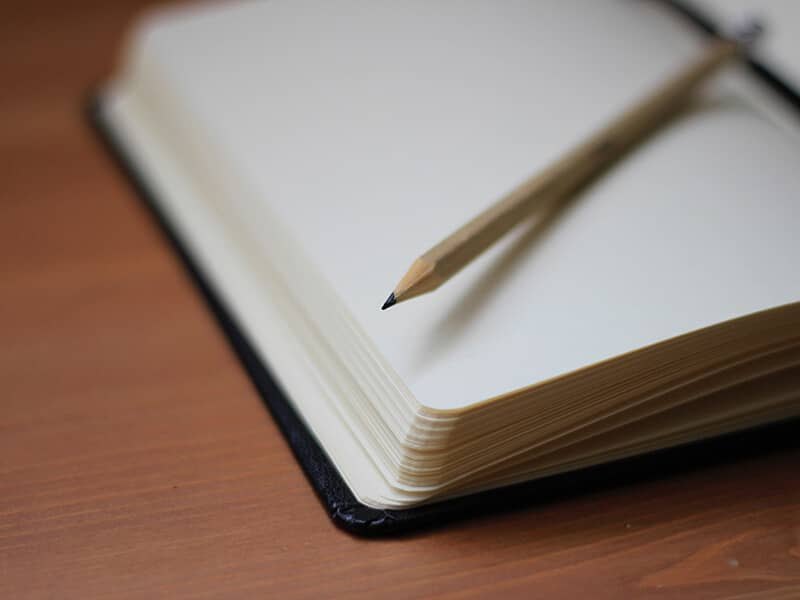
{"x": 561, "y": 178}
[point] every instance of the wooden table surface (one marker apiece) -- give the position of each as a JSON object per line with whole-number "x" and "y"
{"x": 136, "y": 460}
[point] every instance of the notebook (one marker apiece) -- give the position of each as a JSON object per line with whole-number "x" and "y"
{"x": 291, "y": 147}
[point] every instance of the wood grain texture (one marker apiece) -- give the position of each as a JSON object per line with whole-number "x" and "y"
{"x": 136, "y": 461}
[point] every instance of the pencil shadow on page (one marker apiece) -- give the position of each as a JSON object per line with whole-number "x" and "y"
{"x": 447, "y": 332}
{"x": 449, "y": 329}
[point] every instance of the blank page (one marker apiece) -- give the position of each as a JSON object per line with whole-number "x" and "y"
{"x": 374, "y": 129}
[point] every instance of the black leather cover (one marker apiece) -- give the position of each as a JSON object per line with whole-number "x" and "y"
{"x": 359, "y": 519}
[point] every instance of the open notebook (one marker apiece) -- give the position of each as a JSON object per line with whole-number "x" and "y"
{"x": 293, "y": 146}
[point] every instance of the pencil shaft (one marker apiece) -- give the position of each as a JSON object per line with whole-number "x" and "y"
{"x": 559, "y": 179}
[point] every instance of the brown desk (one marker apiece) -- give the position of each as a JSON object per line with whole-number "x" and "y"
{"x": 136, "y": 459}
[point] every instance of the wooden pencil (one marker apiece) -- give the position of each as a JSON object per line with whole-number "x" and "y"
{"x": 561, "y": 178}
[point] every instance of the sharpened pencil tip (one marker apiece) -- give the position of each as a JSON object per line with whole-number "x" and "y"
{"x": 390, "y": 301}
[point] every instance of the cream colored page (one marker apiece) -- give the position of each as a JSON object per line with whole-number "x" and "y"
{"x": 373, "y": 129}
